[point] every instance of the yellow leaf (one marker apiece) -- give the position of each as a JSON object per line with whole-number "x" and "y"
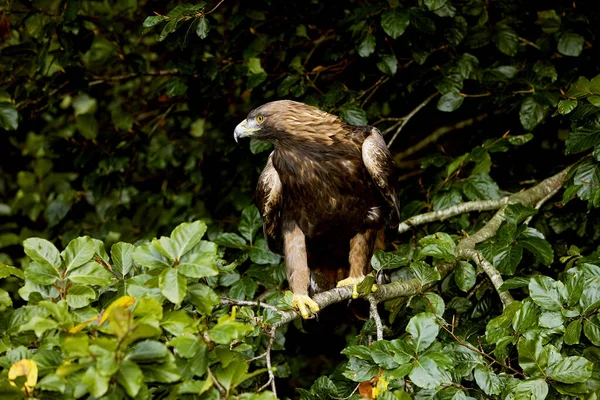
{"x": 121, "y": 302}
{"x": 26, "y": 368}
{"x": 381, "y": 387}
{"x": 82, "y": 325}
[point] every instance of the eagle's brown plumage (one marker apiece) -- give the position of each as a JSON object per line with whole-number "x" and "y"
{"x": 325, "y": 194}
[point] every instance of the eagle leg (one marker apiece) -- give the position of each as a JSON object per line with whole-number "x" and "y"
{"x": 296, "y": 265}
{"x": 361, "y": 249}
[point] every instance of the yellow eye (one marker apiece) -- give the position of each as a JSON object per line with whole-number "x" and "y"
{"x": 260, "y": 118}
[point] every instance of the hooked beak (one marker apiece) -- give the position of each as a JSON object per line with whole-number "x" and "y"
{"x": 242, "y": 130}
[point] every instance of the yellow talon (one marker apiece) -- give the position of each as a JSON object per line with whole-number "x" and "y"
{"x": 354, "y": 281}
{"x": 301, "y": 301}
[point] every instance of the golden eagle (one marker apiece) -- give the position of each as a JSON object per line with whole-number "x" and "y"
{"x": 325, "y": 195}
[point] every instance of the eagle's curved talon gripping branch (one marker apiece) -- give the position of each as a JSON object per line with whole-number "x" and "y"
{"x": 301, "y": 302}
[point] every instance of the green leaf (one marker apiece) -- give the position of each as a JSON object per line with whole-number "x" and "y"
{"x": 78, "y": 252}
{"x": 352, "y": 114}
{"x": 566, "y": 106}
{"x": 573, "y": 332}
{"x": 172, "y": 285}
{"x": 130, "y": 377}
{"x": 9, "y": 117}
{"x": 443, "y": 200}
{"x": 481, "y": 187}
{"x": 186, "y": 346}
{"x": 367, "y": 46}
{"x": 395, "y": 21}
{"x": 202, "y": 28}
{"x": 426, "y": 373}
{"x": 439, "y": 245}
{"x": 79, "y": 296}
{"x": 360, "y": 351}
{"x": 147, "y": 256}
{"x": 507, "y": 40}
{"x": 7, "y": 270}
{"x": 591, "y": 329}
{"x": 549, "y": 20}
{"x": 42, "y": 252}
{"x": 360, "y": 370}
{"x": 536, "y": 389}
{"x": 39, "y": 325}
{"x": 516, "y": 213}
{"x": 227, "y": 330}
{"x": 533, "y": 241}
{"x": 87, "y": 125}
{"x": 250, "y": 223}
{"x": 590, "y": 297}
{"x": 91, "y": 273}
{"x": 388, "y": 260}
{"x": 546, "y": 292}
{"x": 388, "y": 64}
{"x": 41, "y": 274}
{"x": 148, "y": 351}
{"x": 187, "y": 235}
{"x": 232, "y": 240}
{"x": 423, "y": 328}
{"x": 153, "y": 20}
{"x": 465, "y": 276}
{"x": 450, "y": 101}
{"x": 573, "y": 369}
{"x": 531, "y": 113}
{"x": 260, "y": 253}
{"x": 533, "y": 358}
{"x": 508, "y": 258}
{"x": 570, "y": 44}
{"x": 96, "y": 383}
{"x": 122, "y": 256}
{"x": 258, "y": 146}
{"x": 583, "y": 138}
{"x": 581, "y": 88}
{"x": 203, "y": 297}
{"x": 487, "y": 380}
{"x": 424, "y": 273}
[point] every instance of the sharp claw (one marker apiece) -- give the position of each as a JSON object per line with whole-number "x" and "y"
{"x": 301, "y": 301}
{"x": 354, "y": 281}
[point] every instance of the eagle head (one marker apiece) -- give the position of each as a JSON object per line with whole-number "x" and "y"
{"x": 286, "y": 120}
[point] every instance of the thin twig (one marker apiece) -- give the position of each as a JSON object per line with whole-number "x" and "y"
{"x": 271, "y": 381}
{"x": 216, "y": 382}
{"x": 214, "y": 8}
{"x": 374, "y": 314}
{"x": 409, "y": 116}
{"x": 102, "y": 79}
{"x": 441, "y": 131}
{"x": 228, "y": 300}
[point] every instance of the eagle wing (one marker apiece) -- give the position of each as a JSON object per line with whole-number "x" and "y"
{"x": 268, "y": 195}
{"x": 380, "y": 165}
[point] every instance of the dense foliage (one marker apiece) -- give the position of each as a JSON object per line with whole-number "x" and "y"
{"x": 132, "y": 262}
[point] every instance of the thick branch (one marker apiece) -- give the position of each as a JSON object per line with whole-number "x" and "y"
{"x": 532, "y": 196}
{"x": 441, "y": 215}
{"x": 374, "y": 314}
{"x": 466, "y": 249}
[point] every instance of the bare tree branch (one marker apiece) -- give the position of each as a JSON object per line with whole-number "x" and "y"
{"x": 271, "y": 381}
{"x": 227, "y": 300}
{"x": 374, "y": 314}
{"x": 411, "y": 114}
{"x": 439, "y": 132}
{"x": 441, "y": 215}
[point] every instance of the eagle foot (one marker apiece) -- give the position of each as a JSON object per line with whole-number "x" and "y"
{"x": 354, "y": 281}
{"x": 301, "y": 302}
